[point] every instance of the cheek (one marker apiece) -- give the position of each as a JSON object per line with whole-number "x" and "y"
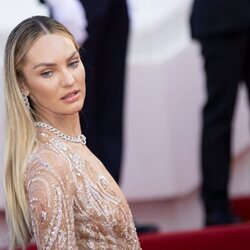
{"x": 42, "y": 93}
{"x": 43, "y": 90}
{"x": 81, "y": 77}
{"x": 81, "y": 71}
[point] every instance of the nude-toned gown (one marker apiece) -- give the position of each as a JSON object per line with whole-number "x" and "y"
{"x": 73, "y": 201}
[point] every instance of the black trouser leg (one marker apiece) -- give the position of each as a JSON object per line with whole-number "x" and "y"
{"x": 106, "y": 90}
{"x": 247, "y": 66}
{"x": 224, "y": 59}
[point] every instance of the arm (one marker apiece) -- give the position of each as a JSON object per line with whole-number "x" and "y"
{"x": 71, "y": 14}
{"x": 50, "y": 197}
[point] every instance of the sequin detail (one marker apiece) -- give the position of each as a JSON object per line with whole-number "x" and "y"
{"x": 72, "y": 204}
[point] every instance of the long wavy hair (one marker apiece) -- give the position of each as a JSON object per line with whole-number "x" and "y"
{"x": 20, "y": 131}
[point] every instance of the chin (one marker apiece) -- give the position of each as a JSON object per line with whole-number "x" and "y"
{"x": 76, "y": 109}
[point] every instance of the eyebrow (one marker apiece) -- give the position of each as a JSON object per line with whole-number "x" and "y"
{"x": 54, "y": 64}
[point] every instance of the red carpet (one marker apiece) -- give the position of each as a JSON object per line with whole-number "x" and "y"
{"x": 216, "y": 238}
{"x": 231, "y": 237}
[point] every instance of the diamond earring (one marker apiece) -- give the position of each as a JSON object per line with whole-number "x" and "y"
{"x": 26, "y": 101}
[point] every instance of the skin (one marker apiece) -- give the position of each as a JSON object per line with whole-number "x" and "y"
{"x": 52, "y": 70}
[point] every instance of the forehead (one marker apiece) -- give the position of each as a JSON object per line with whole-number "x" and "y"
{"x": 50, "y": 47}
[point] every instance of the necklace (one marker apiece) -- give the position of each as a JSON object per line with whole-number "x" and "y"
{"x": 78, "y": 139}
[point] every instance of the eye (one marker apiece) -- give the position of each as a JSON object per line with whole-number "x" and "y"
{"x": 74, "y": 64}
{"x": 47, "y": 74}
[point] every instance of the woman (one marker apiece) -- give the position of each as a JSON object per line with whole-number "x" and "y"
{"x": 56, "y": 189}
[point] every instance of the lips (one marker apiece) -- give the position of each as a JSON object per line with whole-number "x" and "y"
{"x": 71, "y": 97}
{"x": 70, "y": 94}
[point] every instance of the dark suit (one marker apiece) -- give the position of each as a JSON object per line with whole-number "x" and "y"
{"x": 211, "y": 17}
{"x": 104, "y": 55}
{"x": 223, "y": 29}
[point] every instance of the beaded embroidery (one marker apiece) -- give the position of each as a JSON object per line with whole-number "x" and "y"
{"x": 73, "y": 205}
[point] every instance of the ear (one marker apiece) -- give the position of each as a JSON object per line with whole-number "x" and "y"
{"x": 24, "y": 88}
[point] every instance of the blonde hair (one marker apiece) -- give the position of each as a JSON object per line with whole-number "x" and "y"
{"x": 20, "y": 132}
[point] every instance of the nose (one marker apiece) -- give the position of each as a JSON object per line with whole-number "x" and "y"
{"x": 67, "y": 78}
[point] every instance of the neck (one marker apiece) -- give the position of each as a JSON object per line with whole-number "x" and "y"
{"x": 68, "y": 124}
{"x": 76, "y": 139}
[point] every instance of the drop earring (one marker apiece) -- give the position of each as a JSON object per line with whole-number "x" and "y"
{"x": 26, "y": 101}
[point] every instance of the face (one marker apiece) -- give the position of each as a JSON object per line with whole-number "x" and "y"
{"x": 54, "y": 76}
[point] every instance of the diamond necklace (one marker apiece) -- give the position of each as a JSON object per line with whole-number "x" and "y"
{"x": 78, "y": 139}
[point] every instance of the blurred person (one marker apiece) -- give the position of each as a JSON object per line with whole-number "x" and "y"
{"x": 222, "y": 28}
{"x": 101, "y": 27}
{"x": 56, "y": 189}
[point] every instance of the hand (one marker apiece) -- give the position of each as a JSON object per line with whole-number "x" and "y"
{"x": 71, "y": 14}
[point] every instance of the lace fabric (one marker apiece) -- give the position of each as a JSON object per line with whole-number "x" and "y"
{"x": 73, "y": 203}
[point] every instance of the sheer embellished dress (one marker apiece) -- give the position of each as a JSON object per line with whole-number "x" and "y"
{"x": 73, "y": 201}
